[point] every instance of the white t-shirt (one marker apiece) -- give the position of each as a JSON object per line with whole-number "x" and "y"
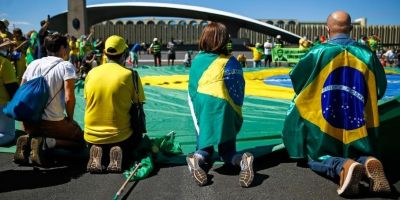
{"x": 268, "y": 48}
{"x": 389, "y": 55}
{"x": 171, "y": 47}
{"x": 55, "y": 78}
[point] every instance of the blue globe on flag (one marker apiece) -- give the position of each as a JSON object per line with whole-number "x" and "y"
{"x": 343, "y": 98}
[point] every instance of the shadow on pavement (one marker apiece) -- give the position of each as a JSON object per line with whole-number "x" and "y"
{"x": 40, "y": 177}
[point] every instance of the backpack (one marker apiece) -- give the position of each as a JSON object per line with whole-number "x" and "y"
{"x": 30, "y": 100}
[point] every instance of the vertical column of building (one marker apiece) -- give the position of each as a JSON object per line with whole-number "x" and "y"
{"x": 77, "y": 19}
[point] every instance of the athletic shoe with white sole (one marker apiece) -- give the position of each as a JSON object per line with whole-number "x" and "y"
{"x": 94, "y": 164}
{"x": 115, "y": 160}
{"x": 246, "y": 175}
{"x": 350, "y": 178}
{"x": 374, "y": 171}
{"x": 198, "y": 174}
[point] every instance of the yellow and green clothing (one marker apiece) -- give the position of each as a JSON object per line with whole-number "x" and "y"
{"x": 108, "y": 101}
{"x": 74, "y": 46}
{"x": 20, "y": 65}
{"x": 216, "y": 91}
{"x": 156, "y": 47}
{"x": 7, "y": 75}
{"x": 334, "y": 111}
{"x": 257, "y": 53}
{"x": 373, "y": 44}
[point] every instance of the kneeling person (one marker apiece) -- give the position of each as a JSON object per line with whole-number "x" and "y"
{"x": 109, "y": 93}
{"x": 55, "y": 129}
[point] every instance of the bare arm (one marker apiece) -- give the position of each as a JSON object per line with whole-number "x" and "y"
{"x": 69, "y": 98}
{"x": 44, "y": 28}
{"x": 91, "y": 34}
{"x": 22, "y": 44}
{"x": 98, "y": 44}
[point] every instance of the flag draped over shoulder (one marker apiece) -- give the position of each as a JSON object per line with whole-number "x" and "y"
{"x": 335, "y": 109}
{"x": 216, "y": 92}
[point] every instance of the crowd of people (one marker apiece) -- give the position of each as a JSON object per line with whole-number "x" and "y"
{"x": 215, "y": 96}
{"x": 389, "y": 57}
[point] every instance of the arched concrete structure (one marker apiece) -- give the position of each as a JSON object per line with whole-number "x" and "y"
{"x": 102, "y": 12}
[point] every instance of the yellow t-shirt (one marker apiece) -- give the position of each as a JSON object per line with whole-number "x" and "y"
{"x": 21, "y": 63}
{"x": 109, "y": 92}
{"x": 7, "y": 75}
{"x": 74, "y": 48}
{"x": 256, "y": 54}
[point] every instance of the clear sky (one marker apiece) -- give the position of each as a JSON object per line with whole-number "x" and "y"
{"x": 26, "y": 14}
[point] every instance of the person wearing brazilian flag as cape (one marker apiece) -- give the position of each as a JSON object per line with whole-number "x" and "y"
{"x": 216, "y": 92}
{"x": 333, "y": 120}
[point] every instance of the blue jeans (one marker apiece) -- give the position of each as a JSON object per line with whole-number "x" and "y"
{"x": 257, "y": 63}
{"x": 332, "y": 166}
{"x": 226, "y": 150}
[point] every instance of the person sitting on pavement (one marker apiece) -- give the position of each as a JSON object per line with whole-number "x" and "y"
{"x": 216, "y": 94}
{"x": 88, "y": 63}
{"x": 55, "y": 129}
{"x": 107, "y": 118}
{"x": 333, "y": 120}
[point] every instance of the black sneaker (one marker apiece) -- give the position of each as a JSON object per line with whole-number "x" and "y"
{"x": 115, "y": 160}
{"x": 246, "y": 175}
{"x": 37, "y": 151}
{"x": 22, "y": 150}
{"x": 94, "y": 164}
{"x": 198, "y": 174}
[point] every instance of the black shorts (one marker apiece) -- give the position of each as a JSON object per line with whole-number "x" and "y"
{"x": 157, "y": 55}
{"x": 171, "y": 56}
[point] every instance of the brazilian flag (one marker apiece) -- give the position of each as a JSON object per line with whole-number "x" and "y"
{"x": 216, "y": 92}
{"x": 334, "y": 111}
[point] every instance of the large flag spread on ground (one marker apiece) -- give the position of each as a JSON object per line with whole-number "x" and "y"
{"x": 334, "y": 112}
{"x": 216, "y": 92}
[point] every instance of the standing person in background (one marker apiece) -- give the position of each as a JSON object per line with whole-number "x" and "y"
{"x": 74, "y": 52}
{"x": 268, "y": 46}
{"x": 171, "y": 51}
{"x": 389, "y": 57}
{"x": 229, "y": 46}
{"x": 8, "y": 87}
{"x": 333, "y": 120}
{"x": 4, "y": 33}
{"x": 187, "y": 61}
{"x": 88, "y": 63}
{"x": 216, "y": 93}
{"x": 18, "y": 54}
{"x": 32, "y": 50}
{"x": 155, "y": 49}
{"x": 258, "y": 53}
{"x": 373, "y": 43}
{"x": 134, "y": 54}
{"x": 278, "y": 42}
{"x": 57, "y": 129}
{"x": 108, "y": 126}
{"x": 43, "y": 33}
